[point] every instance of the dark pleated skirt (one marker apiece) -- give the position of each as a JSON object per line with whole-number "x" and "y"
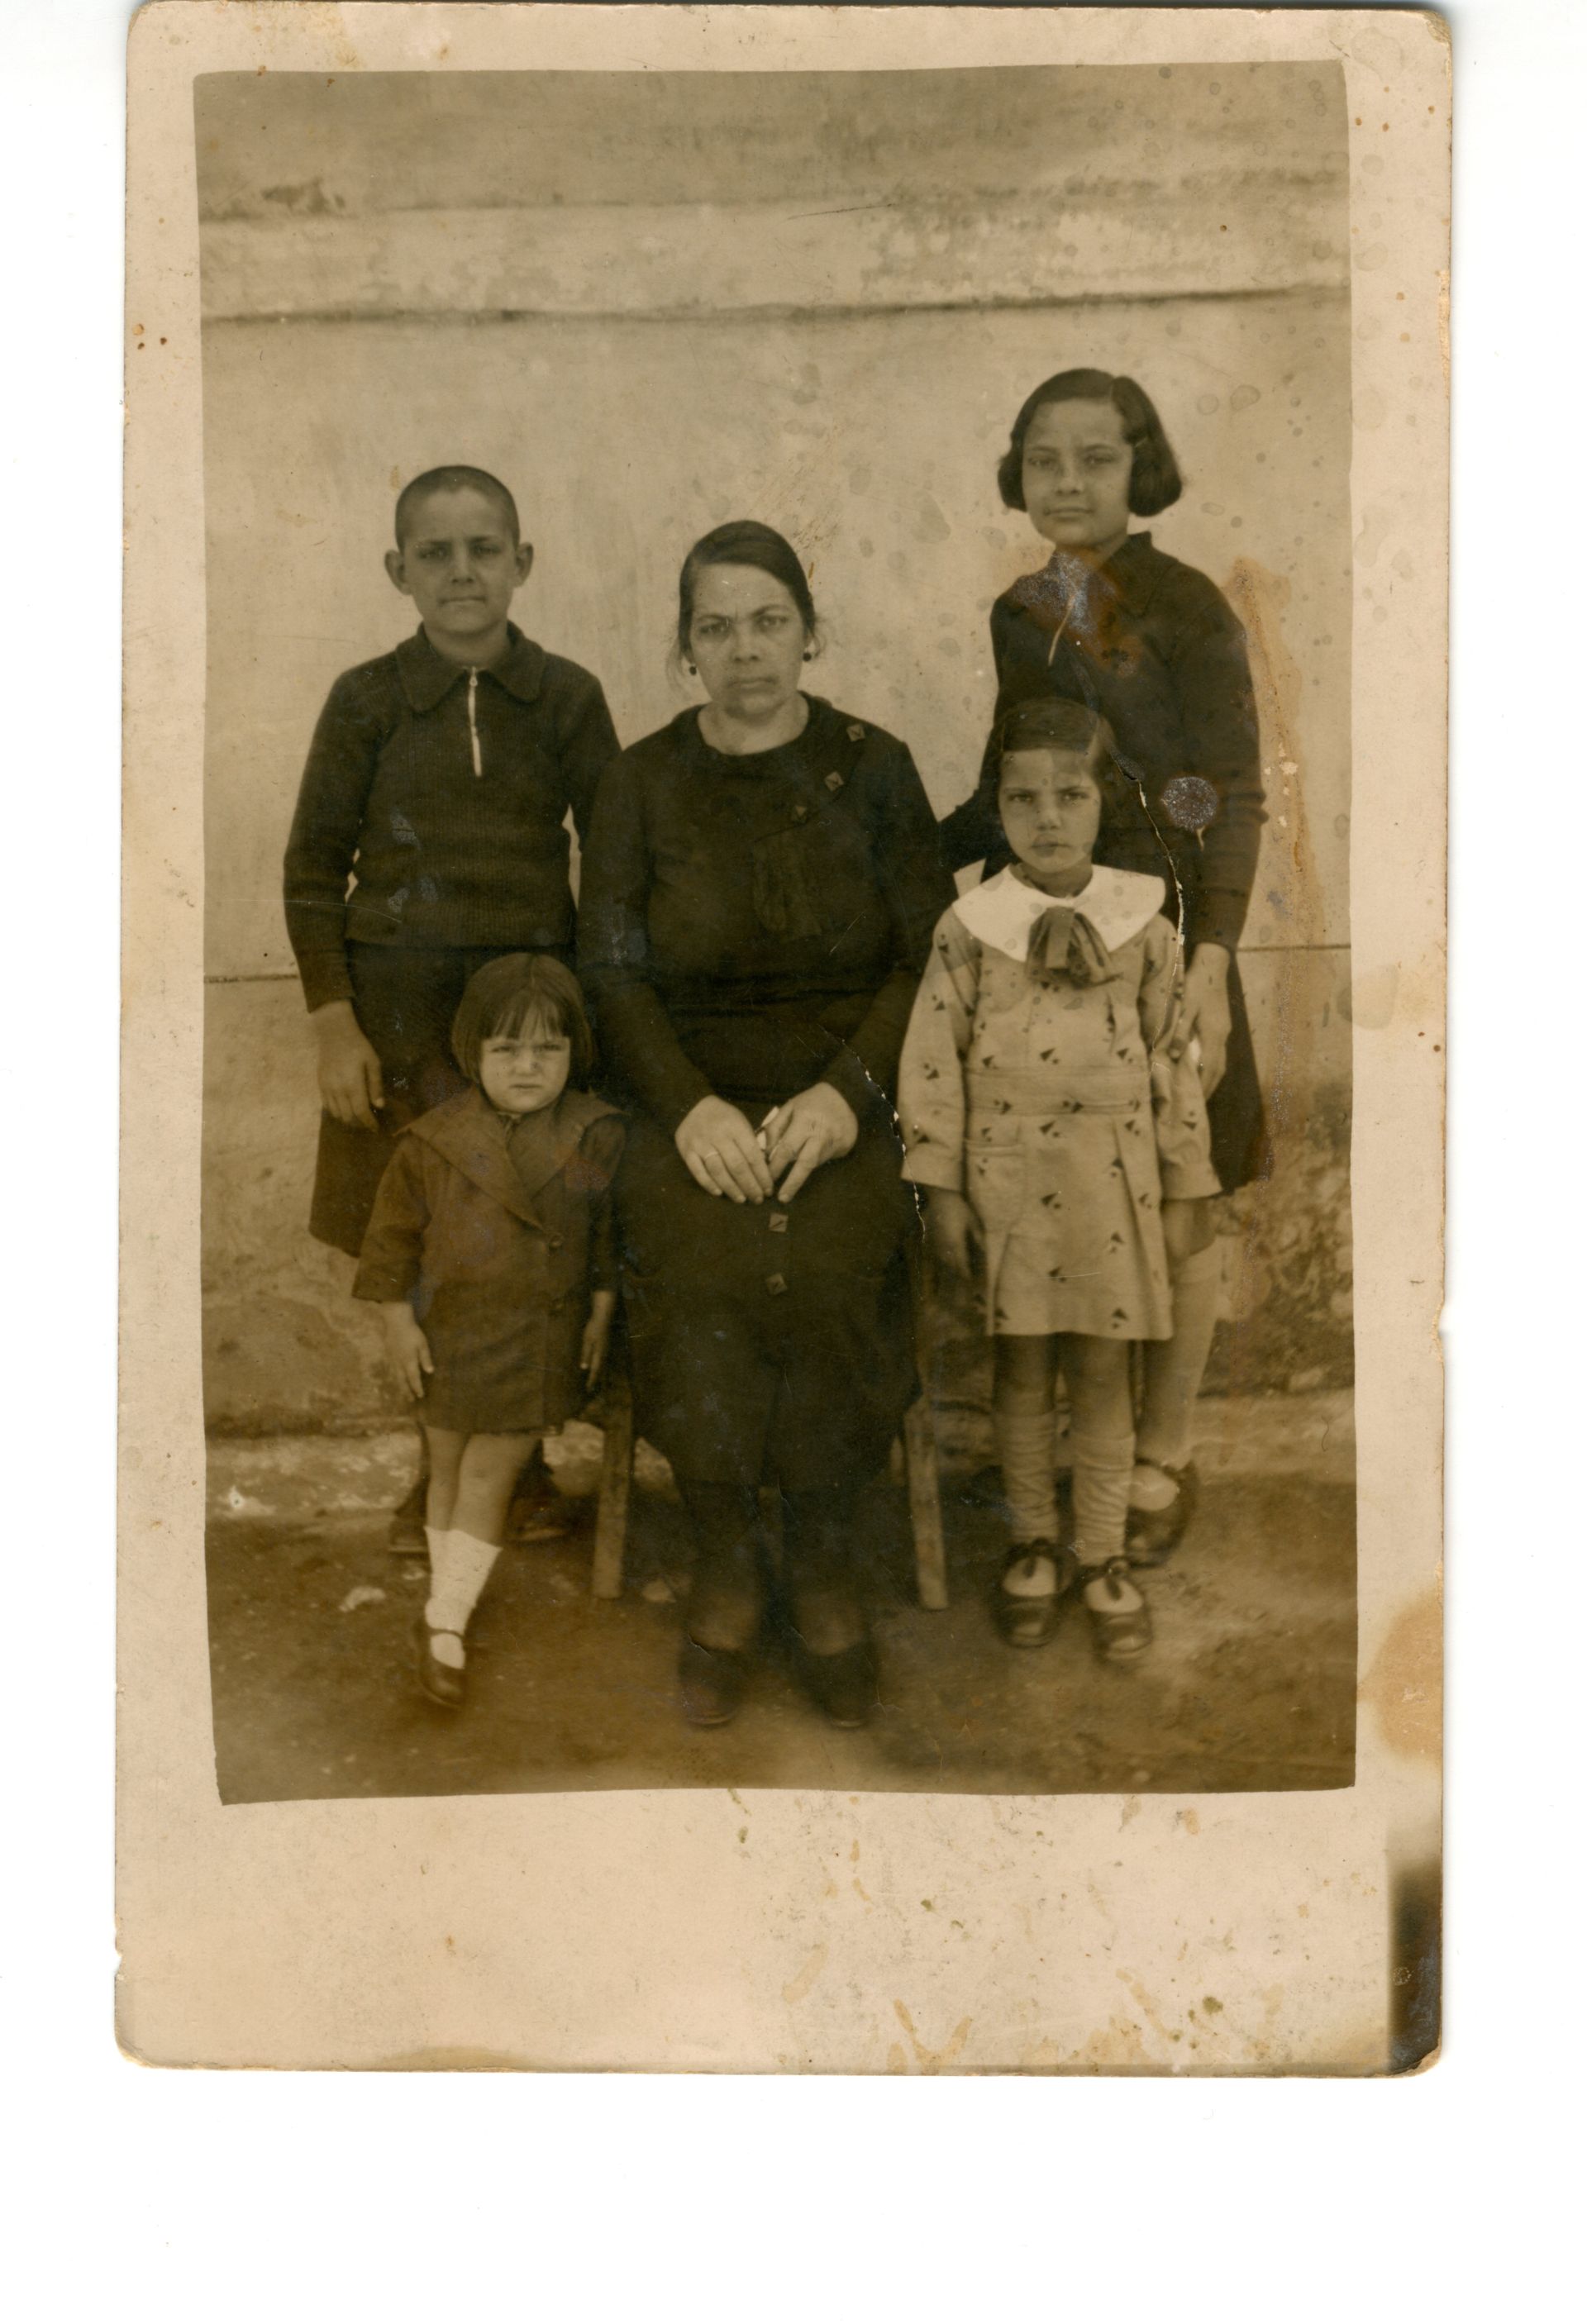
{"x": 1236, "y": 1116}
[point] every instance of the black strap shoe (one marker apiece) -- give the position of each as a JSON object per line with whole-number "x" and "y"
{"x": 1028, "y": 1619}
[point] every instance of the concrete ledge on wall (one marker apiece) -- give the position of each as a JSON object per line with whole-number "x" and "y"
{"x": 1257, "y": 233}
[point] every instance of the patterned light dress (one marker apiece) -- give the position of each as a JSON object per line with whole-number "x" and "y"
{"x": 1051, "y": 1103}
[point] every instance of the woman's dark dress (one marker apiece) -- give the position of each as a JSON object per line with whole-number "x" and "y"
{"x": 748, "y": 926}
{"x": 1154, "y": 646}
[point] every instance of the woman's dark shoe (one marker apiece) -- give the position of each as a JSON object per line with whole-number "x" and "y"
{"x": 1152, "y": 1535}
{"x": 442, "y": 1681}
{"x": 843, "y": 1685}
{"x": 1119, "y": 1632}
{"x": 1030, "y": 1618}
{"x": 713, "y": 1682}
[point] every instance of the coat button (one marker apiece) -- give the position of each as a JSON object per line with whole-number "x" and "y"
{"x": 778, "y": 1223}
{"x": 776, "y": 1283}
{"x": 556, "y": 1242}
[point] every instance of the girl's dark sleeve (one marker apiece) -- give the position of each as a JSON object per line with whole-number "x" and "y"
{"x": 906, "y": 851}
{"x": 324, "y": 838}
{"x": 393, "y": 1243}
{"x": 600, "y": 1152}
{"x": 588, "y": 745}
{"x": 1218, "y": 710}
{"x": 635, "y": 1032}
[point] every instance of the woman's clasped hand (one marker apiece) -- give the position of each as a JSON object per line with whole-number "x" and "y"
{"x": 727, "y": 1156}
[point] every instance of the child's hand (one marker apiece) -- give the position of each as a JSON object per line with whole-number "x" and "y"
{"x": 1187, "y": 1228}
{"x": 406, "y": 1345}
{"x": 598, "y": 1332}
{"x": 954, "y": 1230}
{"x": 350, "y": 1084}
{"x": 1205, "y": 1015}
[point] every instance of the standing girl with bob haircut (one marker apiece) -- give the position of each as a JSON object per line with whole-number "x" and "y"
{"x": 1151, "y": 646}
{"x": 1042, "y": 1112}
{"x": 490, "y": 1254}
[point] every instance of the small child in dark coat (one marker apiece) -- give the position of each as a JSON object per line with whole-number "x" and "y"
{"x": 491, "y": 1255}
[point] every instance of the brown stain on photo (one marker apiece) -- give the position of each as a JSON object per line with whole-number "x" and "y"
{"x": 1405, "y": 1686}
{"x": 933, "y": 2062}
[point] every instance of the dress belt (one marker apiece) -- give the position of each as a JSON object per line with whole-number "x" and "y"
{"x": 1106, "y": 1089}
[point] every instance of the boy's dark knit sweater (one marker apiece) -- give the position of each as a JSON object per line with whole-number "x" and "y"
{"x": 441, "y": 855}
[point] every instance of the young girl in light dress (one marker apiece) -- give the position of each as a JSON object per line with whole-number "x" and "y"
{"x": 1044, "y": 1118}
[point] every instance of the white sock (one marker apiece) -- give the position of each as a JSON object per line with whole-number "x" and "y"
{"x": 1173, "y": 1369}
{"x": 460, "y": 1566}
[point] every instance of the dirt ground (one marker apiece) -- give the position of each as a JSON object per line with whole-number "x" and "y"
{"x": 1250, "y": 1686}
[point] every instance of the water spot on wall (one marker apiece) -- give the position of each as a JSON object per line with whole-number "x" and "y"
{"x": 1208, "y": 403}
{"x": 1243, "y": 398}
{"x": 859, "y": 480}
{"x": 931, "y": 524}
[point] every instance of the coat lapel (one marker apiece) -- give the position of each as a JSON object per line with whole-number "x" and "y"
{"x": 544, "y": 1150}
{"x": 465, "y": 1133}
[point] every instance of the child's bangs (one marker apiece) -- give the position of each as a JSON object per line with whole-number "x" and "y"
{"x": 541, "y": 1015}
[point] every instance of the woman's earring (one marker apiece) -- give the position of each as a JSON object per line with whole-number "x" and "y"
{"x": 809, "y": 654}
{"x": 691, "y": 669}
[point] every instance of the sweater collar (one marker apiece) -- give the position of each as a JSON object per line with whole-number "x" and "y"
{"x": 428, "y": 675}
{"x": 1003, "y": 911}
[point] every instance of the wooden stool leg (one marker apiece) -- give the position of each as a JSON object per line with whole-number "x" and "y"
{"x": 931, "y": 1566}
{"x": 616, "y": 1480}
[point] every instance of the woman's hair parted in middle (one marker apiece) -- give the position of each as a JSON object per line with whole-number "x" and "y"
{"x": 742, "y": 542}
{"x": 1154, "y": 473}
{"x": 520, "y": 988}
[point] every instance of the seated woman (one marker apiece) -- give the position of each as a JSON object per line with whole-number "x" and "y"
{"x": 759, "y": 890}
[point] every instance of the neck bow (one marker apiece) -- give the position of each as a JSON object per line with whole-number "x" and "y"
{"x": 1062, "y": 942}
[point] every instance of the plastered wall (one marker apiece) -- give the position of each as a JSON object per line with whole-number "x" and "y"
{"x": 655, "y": 302}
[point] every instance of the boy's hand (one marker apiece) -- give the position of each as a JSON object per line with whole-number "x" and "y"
{"x": 1187, "y": 1228}
{"x": 350, "y": 1082}
{"x": 406, "y": 1345}
{"x": 598, "y": 1332}
{"x": 954, "y": 1230}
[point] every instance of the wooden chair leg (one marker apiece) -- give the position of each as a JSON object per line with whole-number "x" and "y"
{"x": 616, "y": 1481}
{"x": 931, "y": 1568}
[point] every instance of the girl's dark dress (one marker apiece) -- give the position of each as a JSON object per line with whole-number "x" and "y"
{"x": 748, "y": 926}
{"x": 1154, "y": 647}
{"x": 498, "y": 1232}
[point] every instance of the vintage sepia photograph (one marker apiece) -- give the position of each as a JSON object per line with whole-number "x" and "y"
{"x": 776, "y": 1168}
{"x": 783, "y": 1042}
